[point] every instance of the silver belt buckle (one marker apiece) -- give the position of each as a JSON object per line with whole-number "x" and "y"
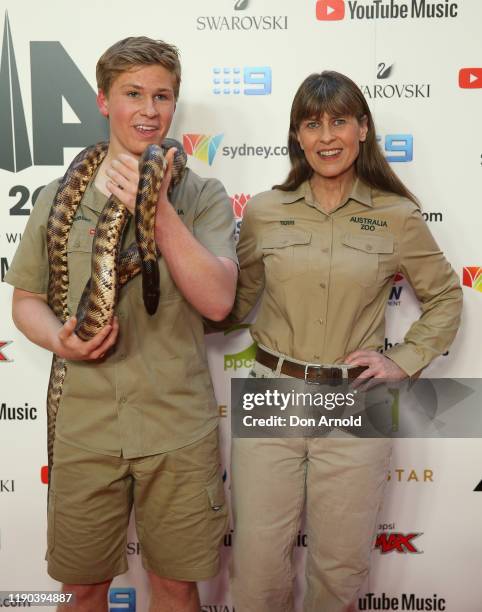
{"x": 312, "y": 365}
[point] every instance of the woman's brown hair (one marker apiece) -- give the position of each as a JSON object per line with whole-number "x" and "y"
{"x": 335, "y": 94}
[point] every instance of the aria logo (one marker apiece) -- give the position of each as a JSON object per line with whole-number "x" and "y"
{"x": 202, "y": 146}
{"x": 393, "y": 90}
{"x": 57, "y": 84}
{"x": 241, "y": 22}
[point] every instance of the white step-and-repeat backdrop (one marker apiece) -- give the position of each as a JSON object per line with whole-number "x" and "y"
{"x": 419, "y": 63}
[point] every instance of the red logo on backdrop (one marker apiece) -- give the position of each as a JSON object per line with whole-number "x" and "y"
{"x": 470, "y": 78}
{"x": 239, "y": 202}
{"x": 330, "y": 10}
{"x": 472, "y": 277}
{"x": 44, "y": 474}
{"x": 401, "y": 542}
{"x": 3, "y": 357}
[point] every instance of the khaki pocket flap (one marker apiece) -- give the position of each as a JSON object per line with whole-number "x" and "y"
{"x": 278, "y": 240}
{"x": 370, "y": 244}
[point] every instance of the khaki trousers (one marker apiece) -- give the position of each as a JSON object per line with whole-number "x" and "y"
{"x": 340, "y": 481}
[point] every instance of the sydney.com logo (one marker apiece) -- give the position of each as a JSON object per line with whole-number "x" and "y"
{"x": 202, "y": 146}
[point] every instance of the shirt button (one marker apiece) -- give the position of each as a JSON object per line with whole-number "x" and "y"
{"x": 323, "y": 285}
{"x": 316, "y": 356}
{"x": 369, "y": 247}
{"x": 123, "y": 399}
{"x": 77, "y": 243}
{"x": 122, "y": 356}
{"x": 325, "y": 250}
{"x": 320, "y": 321}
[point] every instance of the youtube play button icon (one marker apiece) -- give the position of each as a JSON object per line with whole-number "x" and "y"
{"x": 330, "y": 10}
{"x": 470, "y": 78}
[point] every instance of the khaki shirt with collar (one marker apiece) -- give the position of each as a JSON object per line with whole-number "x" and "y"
{"x": 324, "y": 278}
{"x": 153, "y": 392}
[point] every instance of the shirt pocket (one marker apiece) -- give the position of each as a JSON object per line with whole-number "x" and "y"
{"x": 79, "y": 258}
{"x": 286, "y": 254}
{"x": 368, "y": 256}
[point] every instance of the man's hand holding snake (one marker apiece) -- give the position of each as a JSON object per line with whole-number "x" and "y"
{"x": 123, "y": 173}
{"x": 69, "y": 346}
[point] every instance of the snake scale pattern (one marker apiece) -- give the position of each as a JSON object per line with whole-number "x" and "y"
{"x": 111, "y": 269}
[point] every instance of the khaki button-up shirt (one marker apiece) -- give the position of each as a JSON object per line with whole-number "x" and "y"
{"x": 324, "y": 278}
{"x": 153, "y": 393}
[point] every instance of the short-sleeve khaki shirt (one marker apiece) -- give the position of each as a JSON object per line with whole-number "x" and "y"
{"x": 324, "y": 279}
{"x": 153, "y": 393}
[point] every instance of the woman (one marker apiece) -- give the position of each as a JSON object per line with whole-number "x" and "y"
{"x": 321, "y": 251}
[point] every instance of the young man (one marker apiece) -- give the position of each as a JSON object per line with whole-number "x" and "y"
{"x": 137, "y": 422}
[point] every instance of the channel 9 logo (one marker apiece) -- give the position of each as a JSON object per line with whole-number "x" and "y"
{"x": 249, "y": 81}
{"x": 125, "y": 597}
{"x": 397, "y": 147}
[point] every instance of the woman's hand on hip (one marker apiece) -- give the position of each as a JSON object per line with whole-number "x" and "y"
{"x": 380, "y": 368}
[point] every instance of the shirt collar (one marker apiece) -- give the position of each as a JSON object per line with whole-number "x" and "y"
{"x": 93, "y": 198}
{"x": 360, "y": 192}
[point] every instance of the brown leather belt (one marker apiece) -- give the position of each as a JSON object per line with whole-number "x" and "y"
{"x": 312, "y": 373}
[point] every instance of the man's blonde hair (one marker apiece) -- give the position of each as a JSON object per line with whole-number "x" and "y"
{"x": 137, "y": 51}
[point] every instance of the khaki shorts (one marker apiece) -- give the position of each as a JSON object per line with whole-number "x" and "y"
{"x": 180, "y": 511}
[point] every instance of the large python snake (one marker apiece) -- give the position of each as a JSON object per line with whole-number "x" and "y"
{"x": 111, "y": 269}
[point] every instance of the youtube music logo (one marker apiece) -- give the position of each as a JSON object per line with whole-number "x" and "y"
{"x": 330, "y": 10}
{"x": 470, "y": 78}
{"x": 335, "y": 10}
